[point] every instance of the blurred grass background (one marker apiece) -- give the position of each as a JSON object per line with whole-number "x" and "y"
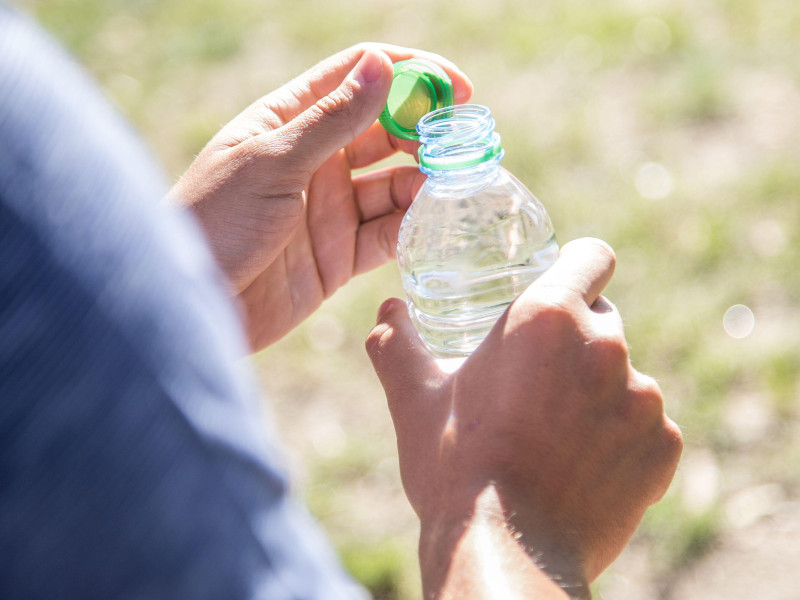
{"x": 671, "y": 129}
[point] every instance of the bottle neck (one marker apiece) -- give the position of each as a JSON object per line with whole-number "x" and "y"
{"x": 459, "y": 141}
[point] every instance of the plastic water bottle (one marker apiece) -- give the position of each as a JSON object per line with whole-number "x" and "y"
{"x": 474, "y": 237}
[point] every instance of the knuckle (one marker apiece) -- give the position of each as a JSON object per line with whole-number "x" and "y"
{"x": 556, "y": 300}
{"x": 673, "y": 438}
{"x": 668, "y": 449}
{"x": 339, "y": 112}
{"x": 276, "y": 158}
{"x": 603, "y": 366}
{"x": 377, "y": 340}
{"x": 549, "y": 319}
{"x": 284, "y": 103}
{"x": 604, "y": 251}
{"x": 336, "y": 104}
{"x": 374, "y": 337}
{"x": 246, "y": 155}
{"x": 362, "y": 47}
{"x": 547, "y": 305}
{"x": 388, "y": 240}
{"x": 609, "y": 350}
{"x": 647, "y": 401}
{"x": 592, "y": 251}
{"x": 649, "y": 392}
{"x": 254, "y": 162}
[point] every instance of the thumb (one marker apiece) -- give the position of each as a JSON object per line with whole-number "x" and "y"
{"x": 341, "y": 116}
{"x": 407, "y": 371}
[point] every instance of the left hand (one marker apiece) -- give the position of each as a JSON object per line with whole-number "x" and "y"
{"x": 546, "y": 429}
{"x": 286, "y": 220}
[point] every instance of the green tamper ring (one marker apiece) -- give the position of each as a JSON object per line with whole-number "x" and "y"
{"x": 418, "y": 87}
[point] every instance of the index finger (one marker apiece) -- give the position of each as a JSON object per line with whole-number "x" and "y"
{"x": 584, "y": 266}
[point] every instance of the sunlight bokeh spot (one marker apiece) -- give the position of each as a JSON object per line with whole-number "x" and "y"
{"x": 654, "y": 181}
{"x": 739, "y": 321}
{"x": 326, "y": 333}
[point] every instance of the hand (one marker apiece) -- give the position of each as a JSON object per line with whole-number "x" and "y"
{"x": 286, "y": 219}
{"x": 547, "y": 416}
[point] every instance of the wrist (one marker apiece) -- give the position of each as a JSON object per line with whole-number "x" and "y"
{"x": 473, "y": 548}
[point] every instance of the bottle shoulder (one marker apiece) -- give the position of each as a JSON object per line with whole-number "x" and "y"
{"x": 504, "y": 210}
{"x": 501, "y": 189}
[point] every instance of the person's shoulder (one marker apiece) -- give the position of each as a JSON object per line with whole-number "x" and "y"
{"x": 73, "y": 171}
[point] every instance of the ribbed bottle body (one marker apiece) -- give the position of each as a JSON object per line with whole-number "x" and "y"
{"x": 469, "y": 245}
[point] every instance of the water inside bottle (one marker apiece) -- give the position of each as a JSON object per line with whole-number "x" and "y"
{"x": 454, "y": 308}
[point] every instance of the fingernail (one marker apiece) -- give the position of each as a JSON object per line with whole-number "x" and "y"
{"x": 369, "y": 68}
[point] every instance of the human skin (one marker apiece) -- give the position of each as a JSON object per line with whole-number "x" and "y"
{"x": 286, "y": 219}
{"x": 545, "y": 444}
{"x": 530, "y": 466}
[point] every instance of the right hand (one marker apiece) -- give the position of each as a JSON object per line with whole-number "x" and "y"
{"x": 548, "y": 412}
{"x": 279, "y": 194}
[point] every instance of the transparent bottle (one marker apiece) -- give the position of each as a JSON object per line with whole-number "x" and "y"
{"x": 474, "y": 238}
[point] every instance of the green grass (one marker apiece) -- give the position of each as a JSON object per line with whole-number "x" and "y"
{"x": 584, "y": 93}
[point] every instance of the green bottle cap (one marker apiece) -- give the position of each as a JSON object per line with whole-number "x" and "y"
{"x": 419, "y": 86}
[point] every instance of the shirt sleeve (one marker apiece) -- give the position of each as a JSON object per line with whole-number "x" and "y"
{"x": 134, "y": 459}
